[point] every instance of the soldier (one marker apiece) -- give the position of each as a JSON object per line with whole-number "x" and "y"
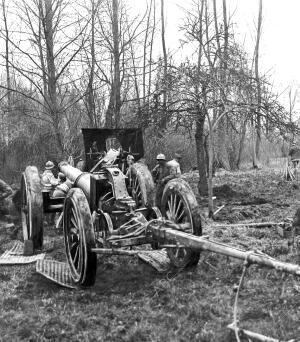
{"x": 49, "y": 182}
{"x": 130, "y": 160}
{"x": 294, "y": 154}
{"x": 71, "y": 160}
{"x": 64, "y": 185}
{"x": 174, "y": 166}
{"x": 162, "y": 173}
{"x": 80, "y": 164}
{"x": 48, "y": 179}
{"x": 160, "y": 170}
{"x": 5, "y": 194}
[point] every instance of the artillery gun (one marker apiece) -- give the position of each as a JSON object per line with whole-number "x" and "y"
{"x": 111, "y": 207}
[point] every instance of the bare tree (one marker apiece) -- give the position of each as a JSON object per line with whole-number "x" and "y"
{"x": 163, "y": 121}
{"x": 256, "y": 152}
{"x": 45, "y": 65}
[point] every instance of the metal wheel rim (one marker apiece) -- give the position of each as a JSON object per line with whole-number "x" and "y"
{"x": 75, "y": 240}
{"x": 177, "y": 210}
{"x": 26, "y": 214}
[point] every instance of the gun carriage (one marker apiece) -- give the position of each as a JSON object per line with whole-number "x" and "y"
{"x": 111, "y": 207}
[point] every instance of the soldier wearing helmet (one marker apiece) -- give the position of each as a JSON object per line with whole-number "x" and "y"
{"x": 48, "y": 179}
{"x": 49, "y": 182}
{"x": 161, "y": 175}
{"x": 160, "y": 171}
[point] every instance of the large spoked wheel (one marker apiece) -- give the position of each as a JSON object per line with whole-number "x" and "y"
{"x": 79, "y": 238}
{"x": 140, "y": 185}
{"x": 179, "y": 205}
{"x": 32, "y": 206}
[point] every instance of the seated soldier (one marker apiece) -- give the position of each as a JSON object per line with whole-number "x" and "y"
{"x": 48, "y": 179}
{"x": 80, "y": 164}
{"x": 64, "y": 185}
{"x": 49, "y": 182}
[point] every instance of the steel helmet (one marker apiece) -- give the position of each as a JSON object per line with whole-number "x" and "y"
{"x": 161, "y": 156}
{"x": 49, "y": 165}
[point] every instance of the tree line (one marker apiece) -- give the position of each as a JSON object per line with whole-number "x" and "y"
{"x": 72, "y": 64}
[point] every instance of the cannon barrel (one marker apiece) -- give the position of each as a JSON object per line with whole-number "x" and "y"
{"x": 80, "y": 179}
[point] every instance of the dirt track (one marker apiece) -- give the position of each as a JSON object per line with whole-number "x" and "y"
{"x": 131, "y": 302}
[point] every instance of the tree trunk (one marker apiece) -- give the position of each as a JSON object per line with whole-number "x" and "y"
{"x": 8, "y": 79}
{"x": 241, "y": 145}
{"x": 114, "y": 107}
{"x": 210, "y": 172}
{"x": 163, "y": 120}
{"x": 202, "y": 184}
{"x": 258, "y": 119}
{"x": 51, "y": 71}
{"x": 91, "y": 111}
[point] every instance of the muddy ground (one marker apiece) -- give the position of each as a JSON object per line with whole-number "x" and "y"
{"x": 132, "y": 302}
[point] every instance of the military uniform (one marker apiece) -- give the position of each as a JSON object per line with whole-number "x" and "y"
{"x": 5, "y": 190}
{"x": 294, "y": 154}
{"x": 48, "y": 180}
{"x": 160, "y": 172}
{"x": 5, "y": 197}
{"x": 80, "y": 165}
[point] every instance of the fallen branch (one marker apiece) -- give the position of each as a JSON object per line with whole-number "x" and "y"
{"x": 219, "y": 209}
{"x": 252, "y": 224}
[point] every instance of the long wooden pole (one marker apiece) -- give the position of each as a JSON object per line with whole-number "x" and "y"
{"x": 200, "y": 243}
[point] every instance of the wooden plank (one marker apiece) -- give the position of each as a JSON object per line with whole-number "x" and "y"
{"x": 113, "y": 251}
{"x": 140, "y": 240}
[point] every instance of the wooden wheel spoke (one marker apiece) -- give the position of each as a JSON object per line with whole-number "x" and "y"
{"x": 181, "y": 215}
{"x": 171, "y": 204}
{"x": 174, "y": 205}
{"x": 73, "y": 244}
{"x": 76, "y": 256}
{"x": 107, "y": 195}
{"x": 178, "y": 208}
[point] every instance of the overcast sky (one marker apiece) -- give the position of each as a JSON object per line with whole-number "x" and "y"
{"x": 280, "y": 42}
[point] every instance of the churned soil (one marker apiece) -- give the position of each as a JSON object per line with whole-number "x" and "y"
{"x": 132, "y": 302}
